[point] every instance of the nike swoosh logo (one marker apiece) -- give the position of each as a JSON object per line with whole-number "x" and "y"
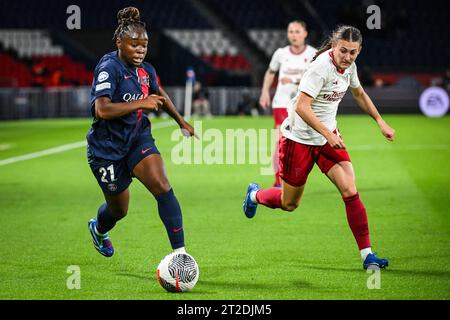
{"x": 128, "y": 77}
{"x": 146, "y": 150}
{"x": 177, "y": 230}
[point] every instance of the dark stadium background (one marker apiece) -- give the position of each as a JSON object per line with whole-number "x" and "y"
{"x": 228, "y": 43}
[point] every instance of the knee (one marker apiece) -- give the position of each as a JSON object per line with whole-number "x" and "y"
{"x": 349, "y": 191}
{"x": 160, "y": 188}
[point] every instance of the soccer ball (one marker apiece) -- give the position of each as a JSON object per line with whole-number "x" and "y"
{"x": 177, "y": 272}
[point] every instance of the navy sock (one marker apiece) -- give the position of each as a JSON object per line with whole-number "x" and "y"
{"x": 105, "y": 221}
{"x": 170, "y": 214}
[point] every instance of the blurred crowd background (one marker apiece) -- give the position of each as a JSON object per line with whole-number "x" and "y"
{"x": 46, "y": 69}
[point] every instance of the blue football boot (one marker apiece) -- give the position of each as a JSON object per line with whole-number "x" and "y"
{"x": 101, "y": 243}
{"x": 373, "y": 261}
{"x": 249, "y": 206}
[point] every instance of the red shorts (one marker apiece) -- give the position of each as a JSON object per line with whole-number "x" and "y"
{"x": 279, "y": 114}
{"x": 297, "y": 160}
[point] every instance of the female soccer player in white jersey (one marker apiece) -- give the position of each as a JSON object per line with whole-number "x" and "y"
{"x": 291, "y": 63}
{"x": 310, "y": 135}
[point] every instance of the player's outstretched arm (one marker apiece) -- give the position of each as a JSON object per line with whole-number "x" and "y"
{"x": 170, "y": 108}
{"x": 367, "y": 105}
{"x": 106, "y": 109}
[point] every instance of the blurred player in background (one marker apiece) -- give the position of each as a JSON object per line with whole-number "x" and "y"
{"x": 291, "y": 63}
{"x": 310, "y": 135}
{"x": 120, "y": 143}
{"x": 200, "y": 100}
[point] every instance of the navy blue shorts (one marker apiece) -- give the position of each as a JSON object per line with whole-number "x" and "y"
{"x": 114, "y": 176}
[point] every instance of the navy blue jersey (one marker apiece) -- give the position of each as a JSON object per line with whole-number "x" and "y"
{"x": 112, "y": 139}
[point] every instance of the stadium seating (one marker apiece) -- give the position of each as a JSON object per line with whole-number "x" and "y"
{"x": 13, "y": 73}
{"x": 411, "y": 38}
{"x": 212, "y": 47}
{"x": 268, "y": 40}
{"x": 29, "y": 43}
{"x": 33, "y": 48}
{"x": 405, "y": 25}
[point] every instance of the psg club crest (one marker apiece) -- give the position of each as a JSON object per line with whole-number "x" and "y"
{"x": 145, "y": 80}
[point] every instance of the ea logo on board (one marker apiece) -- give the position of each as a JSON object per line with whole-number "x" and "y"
{"x": 434, "y": 102}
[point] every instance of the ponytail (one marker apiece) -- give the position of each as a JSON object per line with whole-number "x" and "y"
{"x": 325, "y": 46}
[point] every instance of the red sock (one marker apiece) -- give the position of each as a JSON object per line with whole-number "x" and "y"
{"x": 357, "y": 219}
{"x": 270, "y": 197}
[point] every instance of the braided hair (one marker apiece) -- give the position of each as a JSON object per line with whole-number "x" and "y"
{"x": 343, "y": 32}
{"x": 128, "y": 19}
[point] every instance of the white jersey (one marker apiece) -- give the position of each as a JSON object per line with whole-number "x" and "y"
{"x": 292, "y": 66}
{"x": 327, "y": 86}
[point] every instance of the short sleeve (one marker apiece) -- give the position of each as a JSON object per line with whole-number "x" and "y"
{"x": 354, "y": 80}
{"x": 275, "y": 63}
{"x": 105, "y": 79}
{"x": 312, "y": 83}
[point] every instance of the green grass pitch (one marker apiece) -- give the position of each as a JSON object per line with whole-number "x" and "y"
{"x": 308, "y": 254}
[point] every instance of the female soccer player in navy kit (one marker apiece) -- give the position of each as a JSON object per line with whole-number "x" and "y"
{"x": 310, "y": 135}
{"x": 120, "y": 143}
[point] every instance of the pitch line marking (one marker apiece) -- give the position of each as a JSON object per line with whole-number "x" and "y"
{"x": 165, "y": 124}
{"x": 66, "y": 147}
